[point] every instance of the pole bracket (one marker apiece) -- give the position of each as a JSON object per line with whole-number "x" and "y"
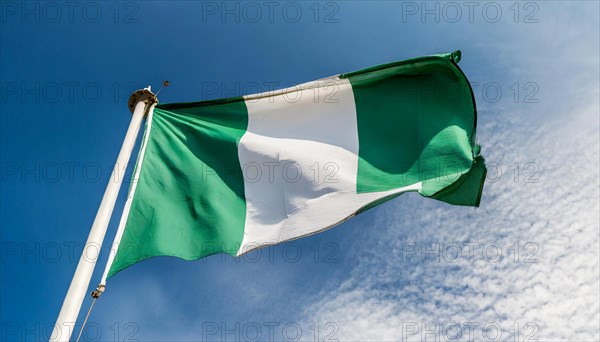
{"x": 98, "y": 292}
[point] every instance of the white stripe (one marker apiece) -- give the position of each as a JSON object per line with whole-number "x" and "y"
{"x": 127, "y": 208}
{"x": 299, "y": 157}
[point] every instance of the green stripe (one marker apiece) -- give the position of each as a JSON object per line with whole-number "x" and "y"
{"x": 416, "y": 123}
{"x": 189, "y": 202}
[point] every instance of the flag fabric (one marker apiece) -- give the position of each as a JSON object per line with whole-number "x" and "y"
{"x": 233, "y": 175}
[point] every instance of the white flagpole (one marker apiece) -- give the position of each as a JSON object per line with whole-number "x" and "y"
{"x": 139, "y": 102}
{"x": 127, "y": 209}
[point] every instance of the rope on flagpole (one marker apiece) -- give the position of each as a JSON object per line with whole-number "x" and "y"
{"x": 95, "y": 294}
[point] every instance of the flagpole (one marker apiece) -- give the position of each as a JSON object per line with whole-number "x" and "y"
{"x": 139, "y": 102}
{"x": 125, "y": 214}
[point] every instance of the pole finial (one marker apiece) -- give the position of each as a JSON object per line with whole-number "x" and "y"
{"x": 164, "y": 85}
{"x": 141, "y": 95}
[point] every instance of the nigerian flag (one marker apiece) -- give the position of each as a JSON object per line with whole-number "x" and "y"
{"x": 241, "y": 173}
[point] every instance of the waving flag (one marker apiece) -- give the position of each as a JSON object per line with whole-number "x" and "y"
{"x": 237, "y": 174}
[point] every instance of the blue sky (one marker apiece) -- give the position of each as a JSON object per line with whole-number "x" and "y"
{"x": 390, "y": 274}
